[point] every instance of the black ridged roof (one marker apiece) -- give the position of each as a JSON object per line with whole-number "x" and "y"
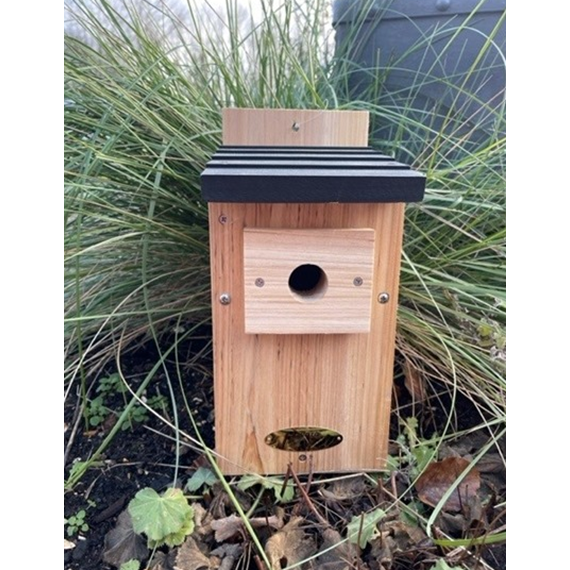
{"x": 308, "y": 174}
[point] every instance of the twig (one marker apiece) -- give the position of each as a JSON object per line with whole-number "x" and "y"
{"x": 306, "y": 498}
{"x": 77, "y": 419}
{"x": 393, "y": 484}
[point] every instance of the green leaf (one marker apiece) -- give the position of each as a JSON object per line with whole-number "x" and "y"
{"x": 157, "y": 516}
{"x": 441, "y": 564}
{"x": 274, "y": 484}
{"x": 362, "y": 529}
{"x": 203, "y": 476}
{"x": 130, "y": 565}
{"x": 177, "y": 538}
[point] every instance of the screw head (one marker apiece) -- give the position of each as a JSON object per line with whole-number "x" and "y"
{"x": 259, "y": 282}
{"x": 357, "y": 281}
{"x": 223, "y": 219}
{"x": 383, "y": 298}
{"x": 302, "y": 457}
{"x": 225, "y": 299}
{"x": 296, "y": 126}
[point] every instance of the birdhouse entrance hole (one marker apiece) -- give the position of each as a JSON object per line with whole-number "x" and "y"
{"x": 308, "y": 282}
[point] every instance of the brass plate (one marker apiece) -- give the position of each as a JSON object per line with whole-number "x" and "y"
{"x": 303, "y": 439}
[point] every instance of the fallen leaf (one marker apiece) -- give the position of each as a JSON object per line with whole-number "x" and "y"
{"x": 344, "y": 489}
{"x": 406, "y": 536}
{"x": 122, "y": 543}
{"x": 336, "y": 553}
{"x": 290, "y": 545}
{"x": 161, "y": 561}
{"x": 229, "y": 527}
{"x": 190, "y": 557}
{"x": 229, "y": 553}
{"x": 202, "y": 520}
{"x": 439, "y": 476}
{"x": 396, "y": 539}
{"x": 67, "y": 544}
{"x": 414, "y": 382}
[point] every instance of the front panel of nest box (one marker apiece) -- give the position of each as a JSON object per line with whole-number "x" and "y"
{"x": 304, "y": 311}
{"x": 316, "y": 281}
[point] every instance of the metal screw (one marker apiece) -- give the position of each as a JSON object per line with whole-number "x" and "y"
{"x": 223, "y": 219}
{"x": 296, "y": 126}
{"x": 383, "y": 298}
{"x": 302, "y": 457}
{"x": 259, "y": 282}
{"x": 357, "y": 281}
{"x": 225, "y": 299}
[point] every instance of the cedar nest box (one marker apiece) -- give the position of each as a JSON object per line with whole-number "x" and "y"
{"x": 306, "y": 227}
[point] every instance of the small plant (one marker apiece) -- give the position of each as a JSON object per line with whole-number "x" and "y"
{"x": 96, "y": 411}
{"x": 76, "y": 523}
{"x": 111, "y": 384}
{"x": 203, "y": 477}
{"x": 137, "y": 415}
{"x": 108, "y": 388}
{"x": 165, "y": 519}
{"x": 416, "y": 453}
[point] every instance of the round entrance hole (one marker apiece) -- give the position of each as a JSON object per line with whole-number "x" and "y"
{"x": 308, "y": 282}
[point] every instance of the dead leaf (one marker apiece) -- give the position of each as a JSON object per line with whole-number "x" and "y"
{"x": 414, "y": 381}
{"x": 122, "y": 543}
{"x": 396, "y": 539}
{"x": 406, "y": 536}
{"x": 229, "y": 553}
{"x": 289, "y": 546}
{"x": 439, "y": 476}
{"x": 341, "y": 557}
{"x": 67, "y": 544}
{"x": 162, "y": 561}
{"x": 229, "y": 527}
{"x": 344, "y": 489}
{"x": 202, "y": 521}
{"x": 190, "y": 557}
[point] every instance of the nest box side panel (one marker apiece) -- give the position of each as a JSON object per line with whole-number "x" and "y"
{"x": 266, "y": 383}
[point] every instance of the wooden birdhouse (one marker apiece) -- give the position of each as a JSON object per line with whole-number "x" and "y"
{"x": 306, "y": 228}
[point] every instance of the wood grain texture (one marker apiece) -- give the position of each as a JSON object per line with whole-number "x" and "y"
{"x": 333, "y": 305}
{"x": 312, "y": 128}
{"x": 269, "y": 382}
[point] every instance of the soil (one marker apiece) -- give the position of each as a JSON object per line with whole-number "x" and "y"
{"x": 143, "y": 456}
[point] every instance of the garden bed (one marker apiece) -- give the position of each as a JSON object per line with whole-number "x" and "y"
{"x": 144, "y": 455}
